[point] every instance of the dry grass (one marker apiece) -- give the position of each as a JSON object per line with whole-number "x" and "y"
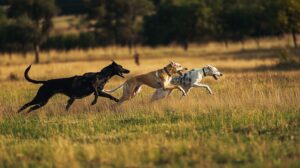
{"x": 210, "y": 50}
{"x": 252, "y": 120}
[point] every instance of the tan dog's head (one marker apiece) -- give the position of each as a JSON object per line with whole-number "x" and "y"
{"x": 174, "y": 68}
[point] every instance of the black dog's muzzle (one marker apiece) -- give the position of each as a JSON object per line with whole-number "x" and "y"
{"x": 124, "y": 71}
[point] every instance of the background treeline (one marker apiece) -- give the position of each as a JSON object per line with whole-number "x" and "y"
{"x": 26, "y": 25}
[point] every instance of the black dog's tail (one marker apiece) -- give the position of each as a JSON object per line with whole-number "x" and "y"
{"x": 29, "y": 79}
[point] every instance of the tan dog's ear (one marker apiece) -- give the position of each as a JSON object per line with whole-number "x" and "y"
{"x": 172, "y": 63}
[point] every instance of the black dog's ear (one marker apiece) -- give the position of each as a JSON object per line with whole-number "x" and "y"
{"x": 113, "y": 61}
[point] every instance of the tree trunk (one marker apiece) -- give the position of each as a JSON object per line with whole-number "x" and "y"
{"x": 226, "y": 44}
{"x": 243, "y": 45}
{"x": 130, "y": 47}
{"x": 36, "y": 53}
{"x": 10, "y": 55}
{"x": 295, "y": 38}
{"x": 257, "y": 43}
{"x": 186, "y": 46}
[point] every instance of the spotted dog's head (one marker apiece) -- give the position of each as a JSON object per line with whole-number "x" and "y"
{"x": 210, "y": 70}
{"x": 173, "y": 68}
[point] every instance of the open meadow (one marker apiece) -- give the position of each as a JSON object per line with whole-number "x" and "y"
{"x": 251, "y": 120}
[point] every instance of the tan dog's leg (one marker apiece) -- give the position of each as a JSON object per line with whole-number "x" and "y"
{"x": 160, "y": 94}
{"x": 126, "y": 94}
{"x": 130, "y": 89}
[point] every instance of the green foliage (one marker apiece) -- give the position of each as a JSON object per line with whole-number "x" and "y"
{"x": 33, "y": 19}
{"x": 40, "y": 12}
{"x": 162, "y": 22}
{"x": 171, "y": 23}
{"x": 120, "y": 20}
{"x": 287, "y": 59}
{"x": 68, "y": 42}
{"x": 17, "y": 35}
{"x": 2, "y": 15}
{"x": 289, "y": 15}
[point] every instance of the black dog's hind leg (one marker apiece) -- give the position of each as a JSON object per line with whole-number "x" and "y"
{"x": 42, "y": 102}
{"x": 41, "y": 99}
{"x": 103, "y": 94}
{"x": 26, "y": 105}
{"x": 70, "y": 102}
{"x": 37, "y": 106}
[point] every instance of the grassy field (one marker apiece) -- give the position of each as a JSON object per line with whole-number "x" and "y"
{"x": 251, "y": 120}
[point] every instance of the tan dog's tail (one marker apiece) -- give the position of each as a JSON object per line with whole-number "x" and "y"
{"x": 113, "y": 90}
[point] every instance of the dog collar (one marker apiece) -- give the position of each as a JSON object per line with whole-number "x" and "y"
{"x": 203, "y": 72}
{"x": 166, "y": 70}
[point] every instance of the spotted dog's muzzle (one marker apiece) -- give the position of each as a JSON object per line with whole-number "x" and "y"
{"x": 217, "y": 75}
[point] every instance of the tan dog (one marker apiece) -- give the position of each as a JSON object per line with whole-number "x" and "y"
{"x": 159, "y": 79}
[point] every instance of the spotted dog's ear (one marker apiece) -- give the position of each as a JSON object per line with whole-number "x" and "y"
{"x": 209, "y": 67}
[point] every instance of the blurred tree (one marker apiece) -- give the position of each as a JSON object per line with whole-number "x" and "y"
{"x": 237, "y": 19}
{"x": 174, "y": 21}
{"x": 134, "y": 11}
{"x": 153, "y": 22}
{"x": 2, "y": 29}
{"x": 38, "y": 13}
{"x": 2, "y": 15}
{"x": 15, "y": 36}
{"x": 289, "y": 18}
{"x": 71, "y": 7}
{"x": 208, "y": 26}
{"x": 120, "y": 20}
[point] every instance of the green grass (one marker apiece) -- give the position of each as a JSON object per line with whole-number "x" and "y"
{"x": 231, "y": 137}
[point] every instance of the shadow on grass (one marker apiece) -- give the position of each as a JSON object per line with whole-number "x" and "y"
{"x": 248, "y": 54}
{"x": 278, "y": 67}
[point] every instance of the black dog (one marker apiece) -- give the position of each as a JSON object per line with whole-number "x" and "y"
{"x": 75, "y": 87}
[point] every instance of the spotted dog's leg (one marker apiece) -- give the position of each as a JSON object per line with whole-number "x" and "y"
{"x": 203, "y": 85}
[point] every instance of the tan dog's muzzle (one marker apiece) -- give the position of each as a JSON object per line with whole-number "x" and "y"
{"x": 183, "y": 71}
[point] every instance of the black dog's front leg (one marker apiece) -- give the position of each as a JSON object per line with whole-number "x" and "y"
{"x": 70, "y": 102}
{"x": 103, "y": 94}
{"x": 96, "y": 96}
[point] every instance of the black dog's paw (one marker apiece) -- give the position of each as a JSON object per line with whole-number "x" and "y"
{"x": 116, "y": 100}
{"x": 93, "y": 103}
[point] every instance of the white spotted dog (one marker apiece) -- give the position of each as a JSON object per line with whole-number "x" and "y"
{"x": 189, "y": 80}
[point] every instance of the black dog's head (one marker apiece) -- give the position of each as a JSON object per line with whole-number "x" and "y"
{"x": 117, "y": 69}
